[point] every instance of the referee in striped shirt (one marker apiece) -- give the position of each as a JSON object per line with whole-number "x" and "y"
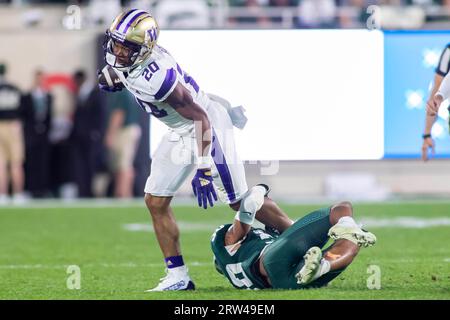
{"x": 442, "y": 70}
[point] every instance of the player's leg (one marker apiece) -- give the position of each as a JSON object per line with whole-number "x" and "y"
{"x": 232, "y": 187}
{"x": 269, "y": 214}
{"x": 337, "y": 257}
{"x": 346, "y": 228}
{"x": 343, "y": 251}
{"x": 297, "y": 254}
{"x": 168, "y": 236}
{"x": 319, "y": 268}
{"x": 229, "y": 174}
{"x": 281, "y": 258}
{"x": 272, "y": 216}
{"x": 171, "y": 165}
{"x": 164, "y": 224}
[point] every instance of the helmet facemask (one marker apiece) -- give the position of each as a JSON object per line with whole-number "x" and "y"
{"x": 136, "y": 53}
{"x": 136, "y": 32}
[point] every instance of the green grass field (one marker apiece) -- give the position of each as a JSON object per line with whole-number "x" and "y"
{"x": 37, "y": 245}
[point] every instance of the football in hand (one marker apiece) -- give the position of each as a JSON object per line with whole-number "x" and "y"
{"x": 109, "y": 80}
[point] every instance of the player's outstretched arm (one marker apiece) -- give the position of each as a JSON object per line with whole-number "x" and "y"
{"x": 442, "y": 94}
{"x": 181, "y": 100}
{"x": 246, "y": 215}
{"x": 236, "y": 232}
{"x": 428, "y": 142}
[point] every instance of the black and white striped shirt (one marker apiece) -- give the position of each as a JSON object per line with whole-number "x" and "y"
{"x": 443, "y": 66}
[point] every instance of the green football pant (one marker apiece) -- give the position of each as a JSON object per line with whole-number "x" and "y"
{"x": 283, "y": 258}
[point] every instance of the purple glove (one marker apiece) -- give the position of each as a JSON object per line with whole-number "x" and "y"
{"x": 202, "y": 185}
{"x": 109, "y": 83}
{"x": 109, "y": 89}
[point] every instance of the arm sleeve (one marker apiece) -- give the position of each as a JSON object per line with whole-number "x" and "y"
{"x": 444, "y": 62}
{"x": 444, "y": 89}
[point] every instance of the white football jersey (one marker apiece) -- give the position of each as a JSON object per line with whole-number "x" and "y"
{"x": 154, "y": 80}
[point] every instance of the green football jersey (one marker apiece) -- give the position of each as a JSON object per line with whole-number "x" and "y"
{"x": 235, "y": 261}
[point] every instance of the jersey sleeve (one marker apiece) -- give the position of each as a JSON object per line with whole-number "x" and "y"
{"x": 157, "y": 81}
{"x": 444, "y": 89}
{"x": 443, "y": 66}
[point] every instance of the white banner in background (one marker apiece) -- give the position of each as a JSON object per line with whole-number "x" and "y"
{"x": 309, "y": 94}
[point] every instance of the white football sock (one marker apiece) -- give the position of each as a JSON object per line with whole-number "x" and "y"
{"x": 181, "y": 270}
{"x": 347, "y": 221}
{"x": 323, "y": 268}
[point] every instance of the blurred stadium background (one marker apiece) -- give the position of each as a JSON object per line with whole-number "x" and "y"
{"x": 335, "y": 93}
{"x": 347, "y": 102}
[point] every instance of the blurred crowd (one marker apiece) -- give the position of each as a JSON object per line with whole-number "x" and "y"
{"x": 237, "y": 2}
{"x": 81, "y": 147}
{"x": 404, "y": 14}
{"x": 330, "y": 13}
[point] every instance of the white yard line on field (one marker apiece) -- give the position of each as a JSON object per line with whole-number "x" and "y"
{"x": 161, "y": 265}
{"x": 367, "y": 222}
{"x": 186, "y": 200}
{"x": 405, "y": 222}
{"x": 182, "y": 225}
{"x": 89, "y": 203}
{"x": 101, "y": 265}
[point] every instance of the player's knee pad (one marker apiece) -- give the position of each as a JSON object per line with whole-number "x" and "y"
{"x": 250, "y": 204}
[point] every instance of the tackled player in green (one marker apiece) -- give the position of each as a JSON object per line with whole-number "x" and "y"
{"x": 252, "y": 258}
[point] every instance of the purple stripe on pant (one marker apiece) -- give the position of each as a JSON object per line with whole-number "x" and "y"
{"x": 221, "y": 164}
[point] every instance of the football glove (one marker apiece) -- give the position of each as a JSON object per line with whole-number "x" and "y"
{"x": 202, "y": 185}
{"x": 109, "y": 89}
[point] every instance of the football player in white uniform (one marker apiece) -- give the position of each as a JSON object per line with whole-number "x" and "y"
{"x": 200, "y": 137}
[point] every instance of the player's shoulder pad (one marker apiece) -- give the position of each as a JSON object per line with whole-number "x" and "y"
{"x": 157, "y": 78}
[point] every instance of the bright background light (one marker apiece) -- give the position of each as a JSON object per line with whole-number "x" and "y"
{"x": 309, "y": 94}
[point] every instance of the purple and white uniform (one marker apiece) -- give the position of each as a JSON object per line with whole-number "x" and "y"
{"x": 175, "y": 157}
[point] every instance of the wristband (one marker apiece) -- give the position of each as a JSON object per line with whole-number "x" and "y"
{"x": 426, "y": 136}
{"x": 203, "y": 163}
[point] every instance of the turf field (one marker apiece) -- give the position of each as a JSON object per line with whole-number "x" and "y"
{"x": 119, "y": 257}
